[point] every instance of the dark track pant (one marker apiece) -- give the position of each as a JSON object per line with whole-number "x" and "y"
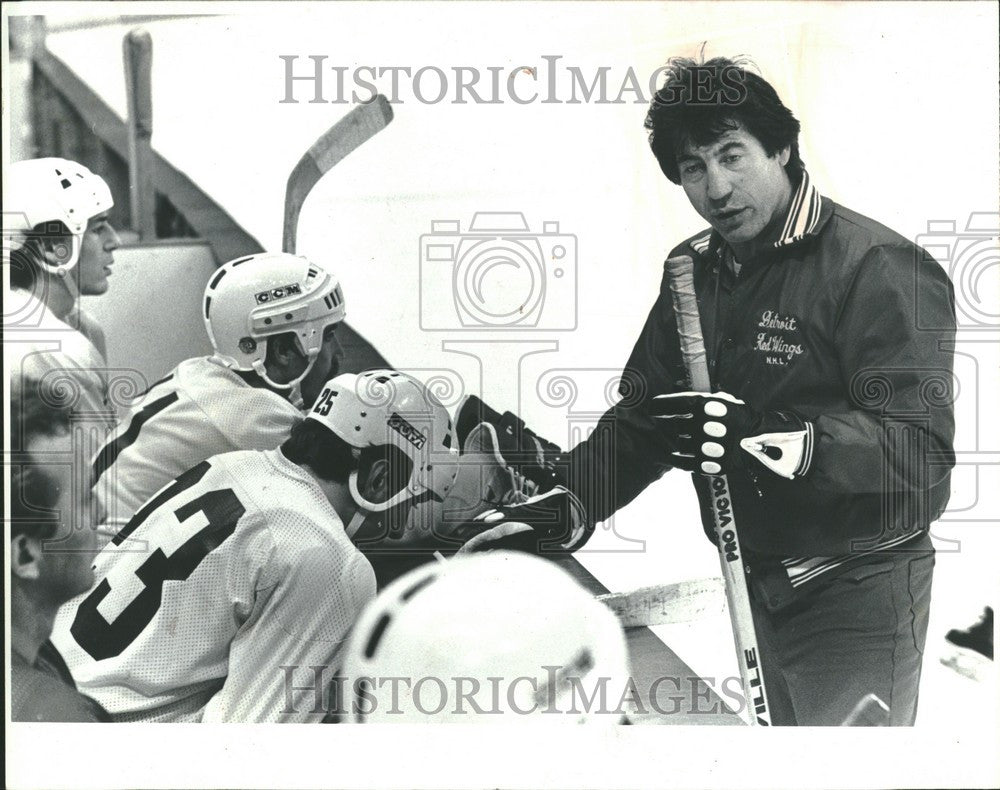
{"x": 859, "y": 633}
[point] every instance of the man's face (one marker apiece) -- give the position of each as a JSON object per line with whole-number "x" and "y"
{"x": 735, "y": 185}
{"x": 67, "y": 557}
{"x": 326, "y": 366}
{"x": 97, "y": 249}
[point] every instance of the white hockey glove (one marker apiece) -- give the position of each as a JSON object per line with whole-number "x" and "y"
{"x": 717, "y": 433}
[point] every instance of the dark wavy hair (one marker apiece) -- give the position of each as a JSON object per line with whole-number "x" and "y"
{"x": 313, "y": 444}
{"x": 26, "y": 260}
{"x": 699, "y": 102}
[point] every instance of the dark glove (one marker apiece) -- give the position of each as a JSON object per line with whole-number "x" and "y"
{"x": 553, "y": 522}
{"x": 716, "y": 433}
{"x": 524, "y": 451}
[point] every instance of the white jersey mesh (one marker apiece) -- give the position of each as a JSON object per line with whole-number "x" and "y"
{"x": 281, "y": 590}
{"x": 41, "y": 347}
{"x": 199, "y": 410}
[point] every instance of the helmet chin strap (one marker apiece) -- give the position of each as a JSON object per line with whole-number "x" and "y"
{"x": 294, "y": 386}
{"x": 390, "y": 523}
{"x": 295, "y": 396}
{"x": 64, "y": 275}
{"x": 361, "y": 500}
{"x": 360, "y": 516}
{"x": 61, "y": 274}
{"x": 62, "y": 278}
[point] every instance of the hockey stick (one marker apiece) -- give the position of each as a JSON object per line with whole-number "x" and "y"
{"x": 138, "y": 56}
{"x": 360, "y": 124}
{"x": 680, "y": 278}
{"x": 667, "y": 603}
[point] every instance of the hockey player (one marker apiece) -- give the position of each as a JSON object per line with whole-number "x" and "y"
{"x": 50, "y": 558}
{"x": 241, "y": 571}
{"x": 499, "y": 638}
{"x": 60, "y": 246}
{"x": 406, "y": 449}
{"x": 272, "y": 320}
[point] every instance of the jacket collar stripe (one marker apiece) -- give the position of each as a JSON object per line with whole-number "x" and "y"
{"x": 803, "y": 214}
{"x": 794, "y": 211}
{"x": 812, "y": 215}
{"x": 802, "y": 220}
{"x": 701, "y": 244}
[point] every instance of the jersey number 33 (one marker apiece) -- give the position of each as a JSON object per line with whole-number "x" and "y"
{"x": 221, "y": 509}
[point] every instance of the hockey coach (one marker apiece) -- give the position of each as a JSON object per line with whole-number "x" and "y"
{"x": 829, "y": 340}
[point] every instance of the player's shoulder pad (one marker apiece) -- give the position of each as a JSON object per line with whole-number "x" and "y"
{"x": 253, "y": 417}
{"x": 267, "y": 402}
{"x": 310, "y": 560}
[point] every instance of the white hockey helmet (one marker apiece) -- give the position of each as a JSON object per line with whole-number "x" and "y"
{"x": 51, "y": 190}
{"x": 258, "y": 296}
{"x": 516, "y": 632}
{"x": 386, "y": 407}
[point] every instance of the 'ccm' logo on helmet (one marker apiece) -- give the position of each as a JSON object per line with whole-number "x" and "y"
{"x": 407, "y": 431}
{"x": 278, "y": 293}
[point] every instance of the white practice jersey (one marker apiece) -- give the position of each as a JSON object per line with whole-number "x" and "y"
{"x": 68, "y": 366}
{"x": 199, "y": 410}
{"x": 234, "y": 572}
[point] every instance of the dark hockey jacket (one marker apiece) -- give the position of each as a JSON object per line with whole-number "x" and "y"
{"x": 844, "y": 322}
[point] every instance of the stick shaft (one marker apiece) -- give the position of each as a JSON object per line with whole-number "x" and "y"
{"x": 138, "y": 57}
{"x": 680, "y": 277}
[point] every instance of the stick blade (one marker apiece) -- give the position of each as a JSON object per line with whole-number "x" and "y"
{"x": 360, "y": 124}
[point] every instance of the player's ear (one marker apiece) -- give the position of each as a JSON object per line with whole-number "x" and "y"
{"x": 56, "y": 249}
{"x": 26, "y": 557}
{"x": 284, "y": 359}
{"x": 374, "y": 482}
{"x": 280, "y": 349}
